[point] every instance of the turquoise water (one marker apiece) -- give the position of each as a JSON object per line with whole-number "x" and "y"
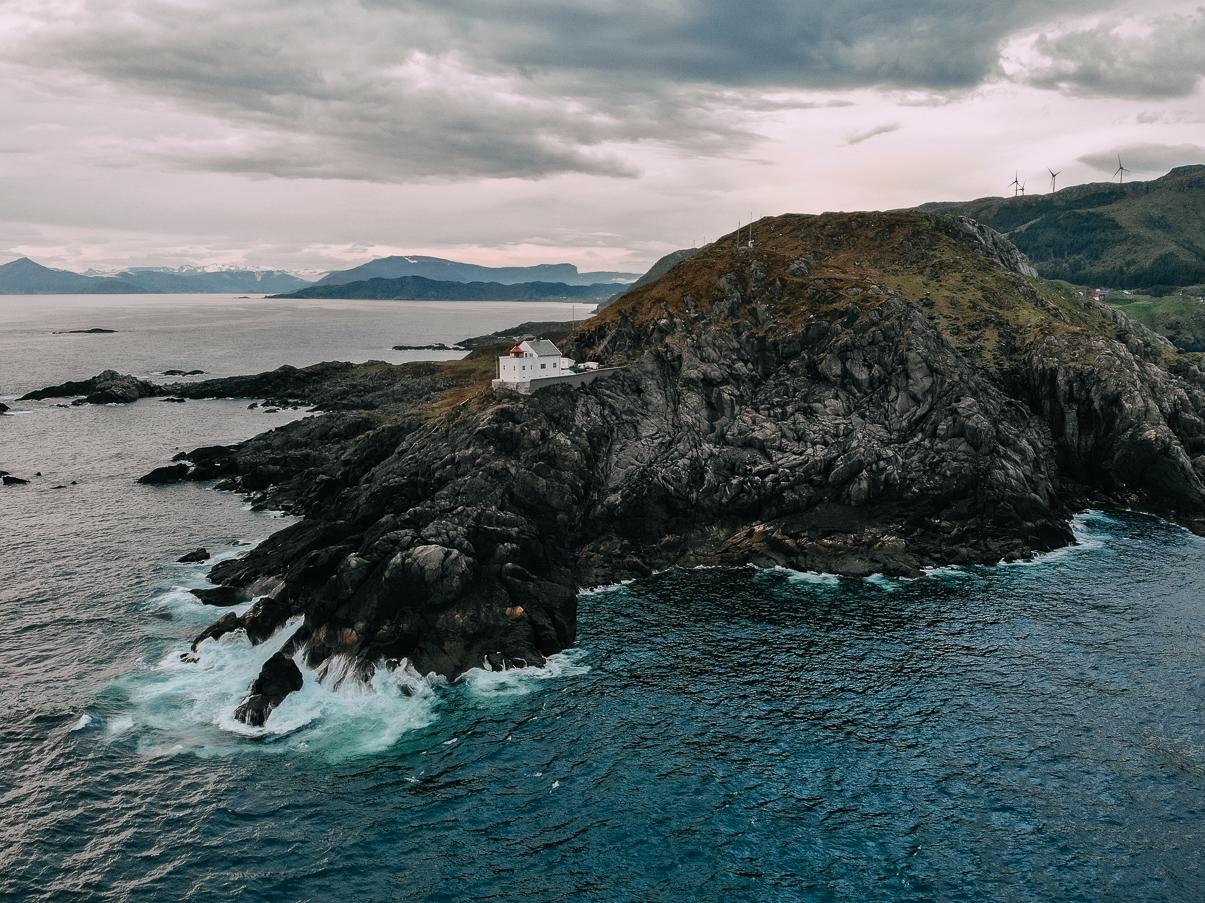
{"x": 1020, "y": 732}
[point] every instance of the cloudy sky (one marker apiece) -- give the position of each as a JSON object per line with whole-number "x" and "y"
{"x": 319, "y": 133}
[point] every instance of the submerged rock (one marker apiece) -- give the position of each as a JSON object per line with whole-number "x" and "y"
{"x": 859, "y": 393}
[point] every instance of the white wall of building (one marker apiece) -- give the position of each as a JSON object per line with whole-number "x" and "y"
{"x": 530, "y": 366}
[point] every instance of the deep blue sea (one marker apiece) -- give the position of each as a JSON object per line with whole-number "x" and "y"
{"x": 1032, "y": 731}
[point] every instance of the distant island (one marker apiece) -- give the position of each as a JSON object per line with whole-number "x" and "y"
{"x": 454, "y": 271}
{"x": 419, "y": 288}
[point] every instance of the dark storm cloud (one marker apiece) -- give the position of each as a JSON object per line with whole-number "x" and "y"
{"x": 468, "y": 88}
{"x": 1145, "y": 158}
{"x": 1163, "y": 62}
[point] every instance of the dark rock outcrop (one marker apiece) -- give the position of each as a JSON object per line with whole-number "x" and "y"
{"x": 9, "y": 480}
{"x": 858, "y": 393}
{"x": 194, "y": 556}
{"x": 168, "y": 473}
{"x": 221, "y": 596}
{"x": 279, "y": 677}
{"x": 107, "y": 387}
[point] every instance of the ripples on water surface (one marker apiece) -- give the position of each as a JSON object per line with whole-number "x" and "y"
{"x": 1031, "y": 732}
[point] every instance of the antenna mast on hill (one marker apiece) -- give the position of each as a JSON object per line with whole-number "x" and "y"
{"x": 1053, "y": 176}
{"x": 1015, "y": 184}
{"x": 1121, "y": 171}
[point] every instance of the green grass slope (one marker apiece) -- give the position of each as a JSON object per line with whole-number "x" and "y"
{"x": 1145, "y": 235}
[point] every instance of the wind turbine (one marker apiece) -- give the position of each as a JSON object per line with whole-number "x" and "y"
{"x": 1121, "y": 171}
{"x": 1053, "y": 176}
{"x": 1015, "y": 184}
{"x": 1022, "y": 189}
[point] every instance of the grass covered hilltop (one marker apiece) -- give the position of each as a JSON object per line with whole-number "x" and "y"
{"x": 858, "y": 393}
{"x": 1139, "y": 235}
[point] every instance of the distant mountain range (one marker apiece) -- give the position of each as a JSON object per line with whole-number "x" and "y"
{"x": 155, "y": 279}
{"x": 419, "y": 288}
{"x": 1146, "y": 235}
{"x": 24, "y": 277}
{"x": 454, "y": 271}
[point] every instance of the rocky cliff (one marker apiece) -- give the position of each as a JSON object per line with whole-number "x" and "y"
{"x": 857, "y": 393}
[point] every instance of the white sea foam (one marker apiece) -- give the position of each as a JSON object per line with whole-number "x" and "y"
{"x": 1087, "y": 539}
{"x": 186, "y": 704}
{"x": 602, "y": 588}
{"x": 82, "y": 722}
{"x": 949, "y": 570}
{"x": 486, "y": 682}
{"x": 888, "y": 584}
{"x": 814, "y": 578}
{"x": 184, "y": 606}
{"x": 118, "y": 725}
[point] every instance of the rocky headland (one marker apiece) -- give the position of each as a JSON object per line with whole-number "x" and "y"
{"x": 856, "y": 393}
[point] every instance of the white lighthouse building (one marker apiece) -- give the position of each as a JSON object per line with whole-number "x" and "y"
{"x": 536, "y": 363}
{"x": 532, "y": 359}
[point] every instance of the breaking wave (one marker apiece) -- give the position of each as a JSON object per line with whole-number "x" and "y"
{"x": 184, "y": 704}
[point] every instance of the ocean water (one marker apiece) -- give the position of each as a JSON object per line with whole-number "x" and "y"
{"x": 1032, "y": 731}
{"x": 227, "y": 335}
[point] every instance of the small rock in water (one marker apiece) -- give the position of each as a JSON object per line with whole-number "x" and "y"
{"x": 222, "y": 596}
{"x": 194, "y": 555}
{"x": 169, "y": 473}
{"x": 279, "y": 677}
{"x": 174, "y": 398}
{"x": 3, "y": 407}
{"x": 10, "y": 480}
